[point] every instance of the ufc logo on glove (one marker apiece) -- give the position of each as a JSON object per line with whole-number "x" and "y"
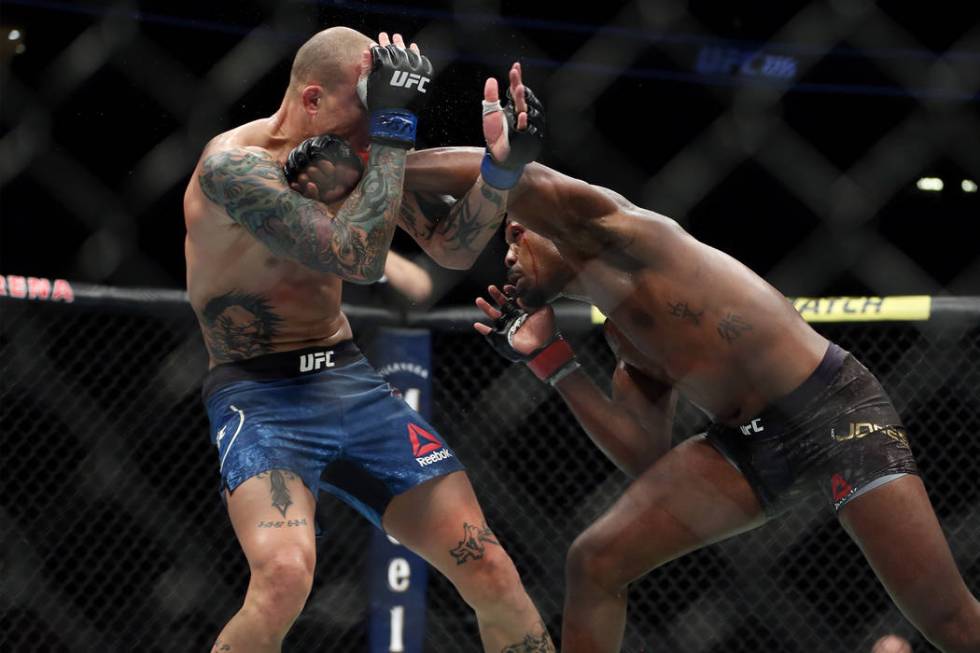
{"x": 403, "y": 79}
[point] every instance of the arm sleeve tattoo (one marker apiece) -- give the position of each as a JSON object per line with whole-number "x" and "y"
{"x": 353, "y": 244}
{"x": 455, "y": 234}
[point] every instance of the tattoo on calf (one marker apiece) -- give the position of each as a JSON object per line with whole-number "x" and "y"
{"x": 732, "y": 327}
{"x": 471, "y": 547}
{"x": 289, "y": 523}
{"x": 532, "y": 644}
{"x": 281, "y": 500}
{"x": 239, "y": 325}
{"x": 683, "y": 311}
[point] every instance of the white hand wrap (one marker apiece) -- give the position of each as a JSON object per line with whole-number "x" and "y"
{"x": 491, "y": 107}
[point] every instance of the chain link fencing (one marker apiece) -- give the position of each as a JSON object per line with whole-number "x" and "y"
{"x": 793, "y": 144}
{"x": 115, "y": 538}
{"x": 809, "y": 121}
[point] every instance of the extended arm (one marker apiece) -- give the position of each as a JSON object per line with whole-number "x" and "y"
{"x": 454, "y": 234}
{"x": 546, "y": 201}
{"x": 249, "y": 184}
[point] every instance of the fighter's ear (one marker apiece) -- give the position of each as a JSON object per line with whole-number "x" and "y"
{"x": 312, "y": 97}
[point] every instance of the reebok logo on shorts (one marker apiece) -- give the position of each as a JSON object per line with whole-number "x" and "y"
{"x": 425, "y": 446}
{"x": 840, "y": 487}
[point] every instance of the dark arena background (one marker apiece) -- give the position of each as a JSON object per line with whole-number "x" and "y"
{"x": 832, "y": 146}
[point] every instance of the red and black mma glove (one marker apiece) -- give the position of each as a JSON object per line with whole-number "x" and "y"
{"x": 328, "y": 147}
{"x": 550, "y": 363}
{"x": 525, "y": 145}
{"x": 398, "y": 78}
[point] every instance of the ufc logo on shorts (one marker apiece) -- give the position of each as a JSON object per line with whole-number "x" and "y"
{"x": 310, "y": 362}
{"x": 408, "y": 80}
{"x": 755, "y": 426}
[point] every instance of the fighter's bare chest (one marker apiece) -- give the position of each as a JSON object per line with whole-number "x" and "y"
{"x": 631, "y": 339}
{"x": 249, "y": 267}
{"x": 651, "y": 329}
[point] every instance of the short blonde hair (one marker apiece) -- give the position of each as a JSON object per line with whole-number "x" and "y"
{"x": 326, "y": 59}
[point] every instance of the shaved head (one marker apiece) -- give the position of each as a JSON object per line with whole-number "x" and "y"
{"x": 328, "y": 58}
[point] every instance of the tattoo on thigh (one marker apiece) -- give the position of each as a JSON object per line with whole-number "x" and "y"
{"x": 471, "y": 547}
{"x": 532, "y": 644}
{"x": 278, "y": 490}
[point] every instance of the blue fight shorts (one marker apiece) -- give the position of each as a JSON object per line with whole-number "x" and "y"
{"x": 327, "y": 416}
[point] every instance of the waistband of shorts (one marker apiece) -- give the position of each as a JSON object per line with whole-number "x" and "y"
{"x": 799, "y": 399}
{"x": 281, "y": 365}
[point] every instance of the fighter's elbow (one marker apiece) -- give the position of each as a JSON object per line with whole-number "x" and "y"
{"x": 370, "y": 274}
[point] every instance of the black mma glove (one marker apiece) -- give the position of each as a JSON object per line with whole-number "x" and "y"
{"x": 550, "y": 363}
{"x": 398, "y": 77}
{"x": 326, "y": 147}
{"x": 525, "y": 145}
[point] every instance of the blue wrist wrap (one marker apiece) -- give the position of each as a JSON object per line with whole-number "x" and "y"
{"x": 498, "y": 177}
{"x": 394, "y": 127}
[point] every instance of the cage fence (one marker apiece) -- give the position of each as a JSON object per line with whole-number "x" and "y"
{"x": 116, "y": 536}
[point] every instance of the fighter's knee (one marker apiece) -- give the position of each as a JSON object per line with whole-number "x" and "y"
{"x": 281, "y": 583}
{"x": 957, "y": 631}
{"x": 491, "y": 582}
{"x": 592, "y": 559}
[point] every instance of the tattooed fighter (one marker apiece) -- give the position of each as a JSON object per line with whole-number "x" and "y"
{"x": 793, "y": 413}
{"x": 293, "y": 405}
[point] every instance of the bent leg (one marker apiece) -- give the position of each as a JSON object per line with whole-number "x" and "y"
{"x": 441, "y": 521}
{"x": 272, "y": 514}
{"x": 897, "y": 530}
{"x": 689, "y": 498}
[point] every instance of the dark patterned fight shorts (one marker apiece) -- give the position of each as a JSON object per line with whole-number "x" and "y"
{"x": 837, "y": 434}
